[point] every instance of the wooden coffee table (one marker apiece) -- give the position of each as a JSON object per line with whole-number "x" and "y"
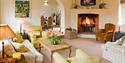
{"x": 54, "y": 48}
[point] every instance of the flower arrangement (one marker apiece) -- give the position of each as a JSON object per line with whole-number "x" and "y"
{"x": 54, "y": 39}
{"x": 102, "y": 5}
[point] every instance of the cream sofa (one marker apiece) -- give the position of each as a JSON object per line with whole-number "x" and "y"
{"x": 114, "y": 51}
{"x": 35, "y": 33}
{"x": 80, "y": 57}
{"x": 31, "y": 56}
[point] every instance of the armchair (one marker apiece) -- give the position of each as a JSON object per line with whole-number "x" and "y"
{"x": 70, "y": 33}
{"x": 107, "y": 33}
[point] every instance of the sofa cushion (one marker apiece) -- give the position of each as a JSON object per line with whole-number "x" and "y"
{"x": 19, "y": 37}
{"x": 20, "y": 47}
{"x": 58, "y": 58}
{"x": 120, "y": 41}
{"x": 81, "y": 54}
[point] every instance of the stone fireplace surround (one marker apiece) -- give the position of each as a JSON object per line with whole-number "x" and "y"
{"x": 103, "y": 17}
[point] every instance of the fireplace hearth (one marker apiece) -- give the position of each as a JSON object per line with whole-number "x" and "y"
{"x": 87, "y": 23}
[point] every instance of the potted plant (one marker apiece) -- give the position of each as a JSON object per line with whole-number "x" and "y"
{"x": 54, "y": 39}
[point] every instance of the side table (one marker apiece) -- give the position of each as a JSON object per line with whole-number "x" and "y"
{"x": 7, "y": 60}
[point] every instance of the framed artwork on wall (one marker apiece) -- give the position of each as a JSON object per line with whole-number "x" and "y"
{"x": 22, "y": 8}
{"x": 87, "y": 2}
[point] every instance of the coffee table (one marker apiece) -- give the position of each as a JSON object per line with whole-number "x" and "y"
{"x": 54, "y": 48}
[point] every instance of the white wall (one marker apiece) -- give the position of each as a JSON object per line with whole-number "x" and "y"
{"x": 109, "y": 16}
{"x": 122, "y": 17}
{"x": 36, "y": 11}
{"x": 0, "y": 12}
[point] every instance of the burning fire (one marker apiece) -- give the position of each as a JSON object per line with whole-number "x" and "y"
{"x": 87, "y": 21}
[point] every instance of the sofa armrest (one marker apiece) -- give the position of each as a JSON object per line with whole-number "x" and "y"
{"x": 113, "y": 46}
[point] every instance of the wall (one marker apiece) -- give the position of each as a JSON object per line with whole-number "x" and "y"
{"x": 109, "y": 16}
{"x": 122, "y": 17}
{"x": 36, "y": 11}
{"x": 0, "y": 12}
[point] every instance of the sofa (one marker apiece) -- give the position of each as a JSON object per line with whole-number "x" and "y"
{"x": 24, "y": 52}
{"x": 80, "y": 57}
{"x": 114, "y": 51}
{"x": 35, "y": 33}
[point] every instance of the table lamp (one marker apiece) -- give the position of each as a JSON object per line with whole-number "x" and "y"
{"x": 5, "y": 33}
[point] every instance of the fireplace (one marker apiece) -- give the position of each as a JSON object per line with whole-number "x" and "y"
{"x": 88, "y": 23}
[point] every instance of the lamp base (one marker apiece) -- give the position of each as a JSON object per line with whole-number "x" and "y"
{"x": 2, "y": 49}
{"x": 119, "y": 29}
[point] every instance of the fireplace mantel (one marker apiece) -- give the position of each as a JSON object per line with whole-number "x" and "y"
{"x": 97, "y": 11}
{"x": 101, "y": 12}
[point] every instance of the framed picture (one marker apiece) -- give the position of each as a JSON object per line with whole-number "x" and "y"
{"x": 22, "y": 8}
{"x": 87, "y": 2}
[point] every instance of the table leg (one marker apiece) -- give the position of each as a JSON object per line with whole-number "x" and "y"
{"x": 51, "y": 57}
{"x": 70, "y": 51}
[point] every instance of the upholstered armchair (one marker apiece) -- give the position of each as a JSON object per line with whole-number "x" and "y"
{"x": 70, "y": 33}
{"x": 107, "y": 33}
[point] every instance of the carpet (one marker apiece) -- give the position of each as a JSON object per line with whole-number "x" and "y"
{"x": 89, "y": 45}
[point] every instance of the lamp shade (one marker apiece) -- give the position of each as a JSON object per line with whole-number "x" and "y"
{"x": 5, "y": 32}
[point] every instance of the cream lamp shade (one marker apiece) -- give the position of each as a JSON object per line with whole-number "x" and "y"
{"x": 6, "y": 32}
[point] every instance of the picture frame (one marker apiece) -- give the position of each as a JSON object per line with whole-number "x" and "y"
{"x": 87, "y": 2}
{"x": 22, "y": 8}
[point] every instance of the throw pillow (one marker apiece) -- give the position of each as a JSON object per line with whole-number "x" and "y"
{"x": 20, "y": 47}
{"x": 9, "y": 50}
{"x": 17, "y": 55}
{"x": 123, "y": 45}
{"x": 19, "y": 37}
{"x": 23, "y": 49}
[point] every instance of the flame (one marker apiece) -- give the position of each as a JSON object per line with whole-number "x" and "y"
{"x": 87, "y": 21}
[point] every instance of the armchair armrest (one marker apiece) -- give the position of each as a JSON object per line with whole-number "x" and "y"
{"x": 100, "y": 31}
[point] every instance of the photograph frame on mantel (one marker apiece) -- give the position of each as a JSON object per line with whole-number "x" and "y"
{"x": 22, "y": 8}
